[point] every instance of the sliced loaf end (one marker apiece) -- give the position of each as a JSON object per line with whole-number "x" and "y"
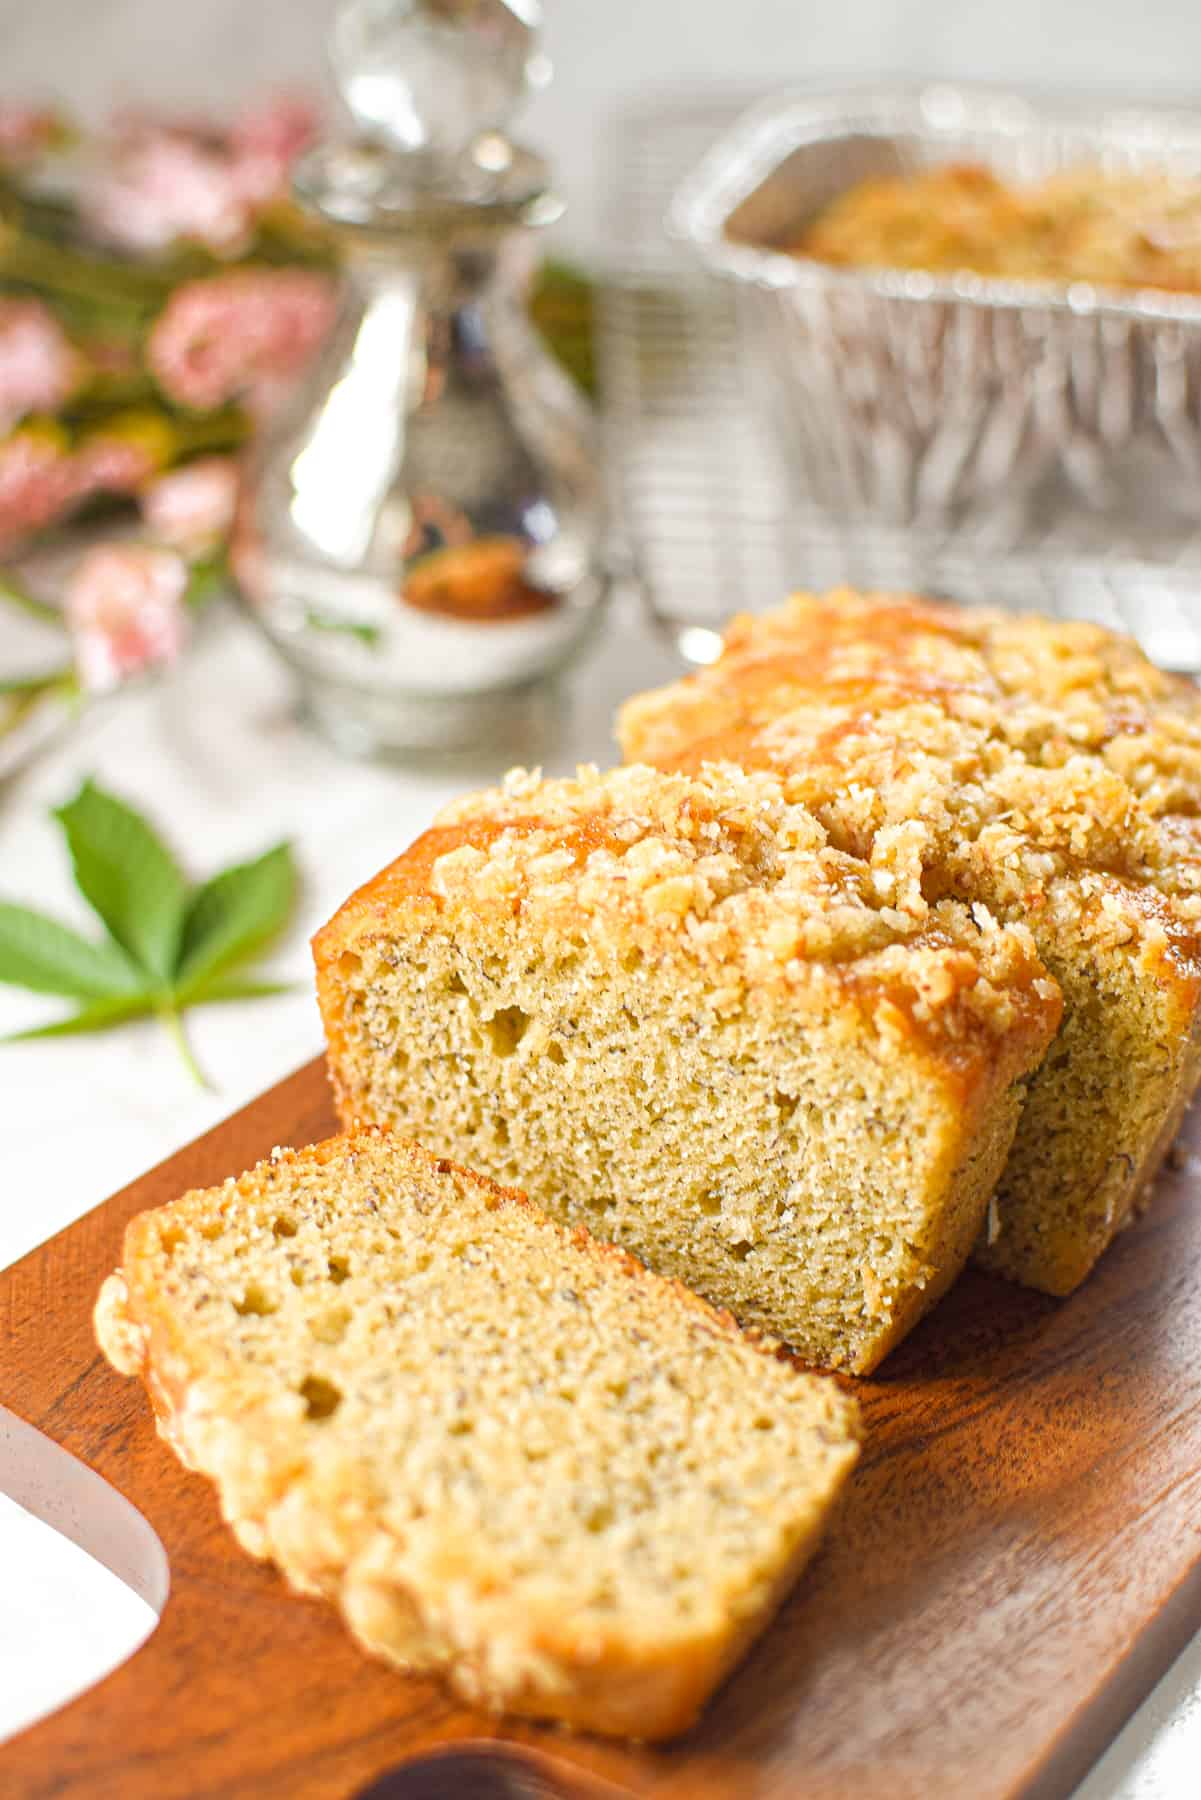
{"x": 510, "y": 1455}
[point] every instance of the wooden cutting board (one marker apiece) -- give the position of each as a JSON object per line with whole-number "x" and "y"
{"x": 1019, "y": 1558}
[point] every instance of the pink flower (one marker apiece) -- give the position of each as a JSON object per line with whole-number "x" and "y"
{"x": 124, "y": 608}
{"x": 41, "y": 481}
{"x": 27, "y": 130}
{"x": 39, "y": 366}
{"x": 161, "y": 181}
{"x": 193, "y": 508}
{"x": 159, "y": 185}
{"x": 280, "y": 126}
{"x": 265, "y": 142}
{"x": 35, "y": 485}
{"x": 220, "y": 338}
{"x": 110, "y": 465}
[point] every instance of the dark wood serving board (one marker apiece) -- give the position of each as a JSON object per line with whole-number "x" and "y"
{"x": 1019, "y": 1558}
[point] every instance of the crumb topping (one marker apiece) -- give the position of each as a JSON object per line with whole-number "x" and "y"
{"x": 752, "y": 881}
{"x": 1137, "y": 228}
{"x": 1041, "y": 748}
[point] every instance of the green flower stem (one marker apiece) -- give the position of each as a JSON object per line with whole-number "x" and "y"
{"x": 285, "y": 237}
{"x": 85, "y": 315}
{"x": 43, "y": 683}
{"x": 19, "y": 699}
{"x": 48, "y": 214}
{"x": 134, "y": 403}
{"x": 107, "y": 392}
{"x": 37, "y": 262}
{"x": 196, "y": 434}
{"x": 17, "y": 594}
{"x": 205, "y": 579}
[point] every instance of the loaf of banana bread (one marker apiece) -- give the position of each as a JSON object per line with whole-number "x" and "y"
{"x": 1128, "y": 228}
{"x": 1045, "y": 768}
{"x": 673, "y": 1012}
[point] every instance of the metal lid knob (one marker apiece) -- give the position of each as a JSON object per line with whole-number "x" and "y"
{"x": 431, "y": 84}
{"x": 432, "y": 76}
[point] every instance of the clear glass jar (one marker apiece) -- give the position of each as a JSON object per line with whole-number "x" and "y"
{"x": 421, "y": 535}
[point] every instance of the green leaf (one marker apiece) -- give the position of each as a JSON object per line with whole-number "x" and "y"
{"x": 167, "y": 949}
{"x": 355, "y": 628}
{"x": 206, "y": 579}
{"x": 38, "y": 953}
{"x": 95, "y": 1017}
{"x": 128, "y": 876}
{"x": 237, "y": 987}
{"x": 234, "y": 913}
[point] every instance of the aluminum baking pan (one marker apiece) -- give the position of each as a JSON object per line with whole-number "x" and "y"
{"x": 921, "y": 397}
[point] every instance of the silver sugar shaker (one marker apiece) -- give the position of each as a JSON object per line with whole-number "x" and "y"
{"x": 421, "y": 531}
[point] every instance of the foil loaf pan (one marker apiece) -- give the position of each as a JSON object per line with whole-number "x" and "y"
{"x": 939, "y": 399}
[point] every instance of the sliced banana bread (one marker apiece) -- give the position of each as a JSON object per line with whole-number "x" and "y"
{"x": 672, "y": 1012}
{"x": 1044, "y": 768}
{"x": 510, "y": 1455}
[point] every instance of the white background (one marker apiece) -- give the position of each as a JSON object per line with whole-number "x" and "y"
{"x": 607, "y": 50}
{"x": 215, "y": 753}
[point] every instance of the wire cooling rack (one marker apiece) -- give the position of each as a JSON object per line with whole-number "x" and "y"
{"x": 713, "y": 519}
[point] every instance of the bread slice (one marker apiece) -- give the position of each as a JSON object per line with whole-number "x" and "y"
{"x": 1045, "y": 768}
{"x": 510, "y": 1455}
{"x": 672, "y": 1013}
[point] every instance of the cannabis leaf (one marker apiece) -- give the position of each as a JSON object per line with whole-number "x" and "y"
{"x": 168, "y": 945}
{"x": 127, "y": 875}
{"x": 234, "y": 913}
